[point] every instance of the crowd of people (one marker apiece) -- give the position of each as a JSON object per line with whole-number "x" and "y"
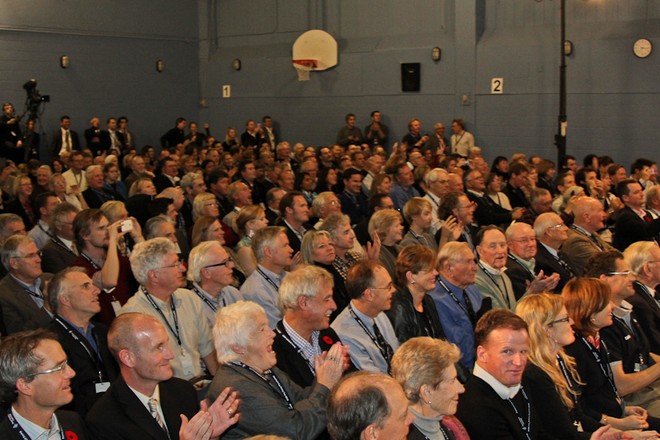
{"x": 245, "y": 287}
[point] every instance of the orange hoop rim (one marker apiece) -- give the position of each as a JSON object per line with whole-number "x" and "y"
{"x": 310, "y": 64}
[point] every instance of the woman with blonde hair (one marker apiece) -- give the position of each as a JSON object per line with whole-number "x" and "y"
{"x": 387, "y": 225}
{"x": 587, "y": 302}
{"x": 205, "y": 204}
{"x": 425, "y": 368}
{"x": 57, "y": 184}
{"x": 250, "y": 219}
{"x": 317, "y": 249}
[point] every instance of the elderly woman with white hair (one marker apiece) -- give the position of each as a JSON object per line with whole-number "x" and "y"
{"x": 210, "y": 272}
{"x": 271, "y": 403}
{"x": 424, "y": 367}
{"x": 96, "y": 195}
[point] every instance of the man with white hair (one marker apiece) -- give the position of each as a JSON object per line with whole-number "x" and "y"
{"x": 192, "y": 184}
{"x": 210, "y": 271}
{"x": 304, "y": 332}
{"x": 437, "y": 185}
{"x": 157, "y": 268}
{"x": 551, "y": 233}
{"x": 373, "y": 167}
{"x": 273, "y": 253}
{"x": 520, "y": 264}
{"x": 324, "y": 204}
{"x": 583, "y": 240}
{"x": 652, "y": 198}
{"x": 644, "y": 260}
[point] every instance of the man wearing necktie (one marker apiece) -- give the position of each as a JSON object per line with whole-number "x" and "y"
{"x": 551, "y": 233}
{"x": 65, "y": 139}
{"x": 363, "y": 325}
{"x": 146, "y": 401}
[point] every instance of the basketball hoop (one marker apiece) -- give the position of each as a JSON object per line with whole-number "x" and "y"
{"x": 303, "y": 67}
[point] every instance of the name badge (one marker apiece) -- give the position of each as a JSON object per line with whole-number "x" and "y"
{"x": 102, "y": 387}
{"x": 627, "y": 337}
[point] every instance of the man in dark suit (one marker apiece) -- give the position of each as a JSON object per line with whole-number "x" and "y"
{"x": 306, "y": 297}
{"x": 22, "y": 301}
{"x": 74, "y": 299}
{"x": 65, "y": 139}
{"x": 110, "y": 138}
{"x": 551, "y": 233}
{"x": 35, "y": 377}
{"x": 644, "y": 260}
{"x": 168, "y": 176}
{"x": 518, "y": 177}
{"x": 353, "y": 201}
{"x": 487, "y": 211}
{"x": 294, "y": 212}
{"x": 520, "y": 264}
{"x": 270, "y": 135}
{"x": 59, "y": 253}
{"x": 145, "y": 402}
{"x": 493, "y": 393}
{"x": 633, "y": 223}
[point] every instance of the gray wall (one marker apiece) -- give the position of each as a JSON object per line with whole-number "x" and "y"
{"x": 113, "y": 47}
{"x": 613, "y": 97}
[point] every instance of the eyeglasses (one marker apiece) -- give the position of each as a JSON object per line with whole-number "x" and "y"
{"x": 222, "y": 263}
{"x": 334, "y": 202}
{"x": 31, "y": 255}
{"x": 471, "y": 205}
{"x": 626, "y": 273}
{"x": 388, "y": 287}
{"x": 178, "y": 264}
{"x": 559, "y": 321}
{"x": 211, "y": 204}
{"x": 558, "y": 226}
{"x": 58, "y": 369}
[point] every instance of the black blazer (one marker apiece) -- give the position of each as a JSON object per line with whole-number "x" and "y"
{"x": 161, "y": 182}
{"x": 87, "y": 370}
{"x": 294, "y": 241}
{"x": 486, "y": 416}
{"x": 291, "y": 362}
{"x": 555, "y": 417}
{"x": 16, "y": 207}
{"x": 629, "y": 228}
{"x": 548, "y": 264}
{"x": 488, "y": 212}
{"x": 519, "y": 277}
{"x": 405, "y": 320}
{"x": 55, "y": 257}
{"x": 516, "y": 196}
{"x": 647, "y": 311}
{"x": 57, "y": 142}
{"x": 18, "y": 311}
{"x": 597, "y": 395}
{"x": 70, "y": 421}
{"x": 119, "y": 415}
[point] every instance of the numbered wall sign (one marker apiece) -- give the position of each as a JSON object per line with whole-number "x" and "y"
{"x": 497, "y": 86}
{"x": 226, "y": 91}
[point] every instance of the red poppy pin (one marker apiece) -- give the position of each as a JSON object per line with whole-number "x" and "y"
{"x": 70, "y": 435}
{"x": 328, "y": 340}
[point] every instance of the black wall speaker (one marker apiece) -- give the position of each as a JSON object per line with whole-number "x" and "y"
{"x": 410, "y": 77}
